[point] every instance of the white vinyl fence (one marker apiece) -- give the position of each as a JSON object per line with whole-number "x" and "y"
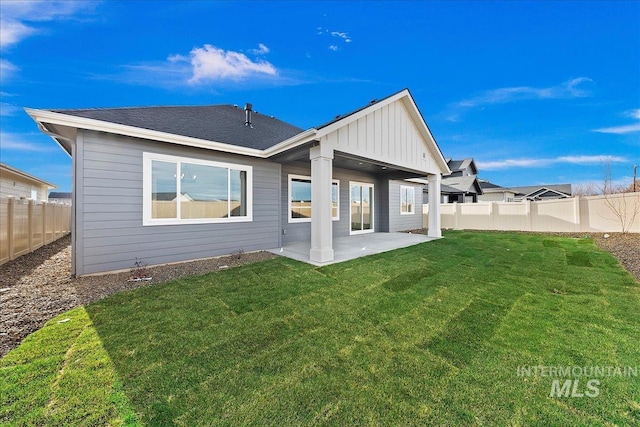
{"x": 576, "y": 214}
{"x": 26, "y": 225}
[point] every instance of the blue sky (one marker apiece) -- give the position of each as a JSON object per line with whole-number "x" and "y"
{"x": 537, "y": 92}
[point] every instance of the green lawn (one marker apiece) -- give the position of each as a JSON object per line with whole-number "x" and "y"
{"x": 427, "y": 335}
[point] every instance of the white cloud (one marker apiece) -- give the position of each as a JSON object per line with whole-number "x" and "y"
{"x": 634, "y": 114}
{"x": 12, "y": 32}
{"x": 210, "y": 63}
{"x": 619, "y": 130}
{"x": 7, "y": 109}
{"x": 590, "y": 160}
{"x": 338, "y": 34}
{"x": 542, "y": 162}
{"x": 202, "y": 67}
{"x": 343, "y": 36}
{"x": 18, "y": 19}
{"x": 24, "y": 143}
{"x": 261, "y": 50}
{"x": 624, "y": 129}
{"x": 7, "y": 69}
{"x": 569, "y": 89}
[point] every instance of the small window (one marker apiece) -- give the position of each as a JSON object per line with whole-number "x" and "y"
{"x": 300, "y": 199}
{"x": 407, "y": 200}
{"x": 190, "y": 191}
{"x": 34, "y": 194}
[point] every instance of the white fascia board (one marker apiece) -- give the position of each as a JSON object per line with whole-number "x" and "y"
{"x": 425, "y": 129}
{"x": 43, "y": 116}
{"x": 296, "y": 140}
{"x": 418, "y": 181}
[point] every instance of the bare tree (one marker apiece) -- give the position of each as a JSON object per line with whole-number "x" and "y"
{"x": 585, "y": 189}
{"x": 623, "y": 204}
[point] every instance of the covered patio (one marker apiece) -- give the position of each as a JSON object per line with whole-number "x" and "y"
{"x": 346, "y": 248}
{"x": 355, "y": 172}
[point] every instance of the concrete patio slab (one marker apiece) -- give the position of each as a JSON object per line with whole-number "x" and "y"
{"x": 350, "y": 247}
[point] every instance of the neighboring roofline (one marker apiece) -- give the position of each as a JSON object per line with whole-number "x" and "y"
{"x": 25, "y": 175}
{"x": 43, "y": 117}
{"x": 542, "y": 190}
{"x": 498, "y": 190}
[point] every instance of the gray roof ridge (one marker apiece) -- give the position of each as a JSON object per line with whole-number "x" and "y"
{"x": 141, "y": 107}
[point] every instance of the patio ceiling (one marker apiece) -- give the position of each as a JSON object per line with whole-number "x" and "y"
{"x": 351, "y": 162}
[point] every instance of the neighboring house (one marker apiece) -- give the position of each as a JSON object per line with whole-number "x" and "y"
{"x": 60, "y": 197}
{"x": 461, "y": 185}
{"x": 461, "y": 189}
{"x": 495, "y": 193}
{"x": 253, "y": 181}
{"x": 21, "y": 185}
{"x": 465, "y": 167}
{"x": 542, "y": 192}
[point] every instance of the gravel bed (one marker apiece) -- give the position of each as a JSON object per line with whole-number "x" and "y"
{"x": 38, "y": 286}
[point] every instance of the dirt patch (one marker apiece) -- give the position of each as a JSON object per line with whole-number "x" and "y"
{"x": 38, "y": 286}
{"x": 625, "y": 247}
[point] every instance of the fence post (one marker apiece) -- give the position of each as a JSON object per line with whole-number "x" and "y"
{"x": 10, "y": 219}
{"x": 53, "y": 222}
{"x": 44, "y": 223}
{"x": 30, "y": 223}
{"x": 576, "y": 213}
{"x": 455, "y": 215}
{"x": 528, "y": 212}
{"x": 492, "y": 215}
{"x": 54, "y": 208}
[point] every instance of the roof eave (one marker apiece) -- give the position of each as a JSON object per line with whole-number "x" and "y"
{"x": 25, "y": 175}
{"x": 293, "y": 142}
{"x": 43, "y": 117}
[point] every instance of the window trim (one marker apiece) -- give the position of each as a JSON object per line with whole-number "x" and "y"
{"x": 292, "y": 176}
{"x": 147, "y": 220}
{"x": 413, "y": 205}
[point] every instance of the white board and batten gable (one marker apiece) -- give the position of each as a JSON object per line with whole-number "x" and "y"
{"x": 391, "y": 131}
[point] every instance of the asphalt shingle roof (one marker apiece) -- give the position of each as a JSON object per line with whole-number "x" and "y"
{"x": 489, "y": 185}
{"x": 218, "y": 123}
{"x": 461, "y": 183}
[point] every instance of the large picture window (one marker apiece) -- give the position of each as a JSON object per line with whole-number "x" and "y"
{"x": 407, "y": 199}
{"x": 180, "y": 190}
{"x": 300, "y": 199}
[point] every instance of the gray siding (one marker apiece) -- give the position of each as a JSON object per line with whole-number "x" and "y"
{"x": 382, "y": 206}
{"x": 110, "y": 234}
{"x": 398, "y": 222}
{"x": 300, "y": 231}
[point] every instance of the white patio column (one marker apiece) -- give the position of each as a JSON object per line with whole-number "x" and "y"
{"x": 321, "y": 227}
{"x": 434, "y": 205}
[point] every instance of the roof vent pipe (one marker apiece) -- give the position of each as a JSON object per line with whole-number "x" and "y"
{"x": 247, "y": 110}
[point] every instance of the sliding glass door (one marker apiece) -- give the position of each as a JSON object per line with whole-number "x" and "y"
{"x": 361, "y": 207}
